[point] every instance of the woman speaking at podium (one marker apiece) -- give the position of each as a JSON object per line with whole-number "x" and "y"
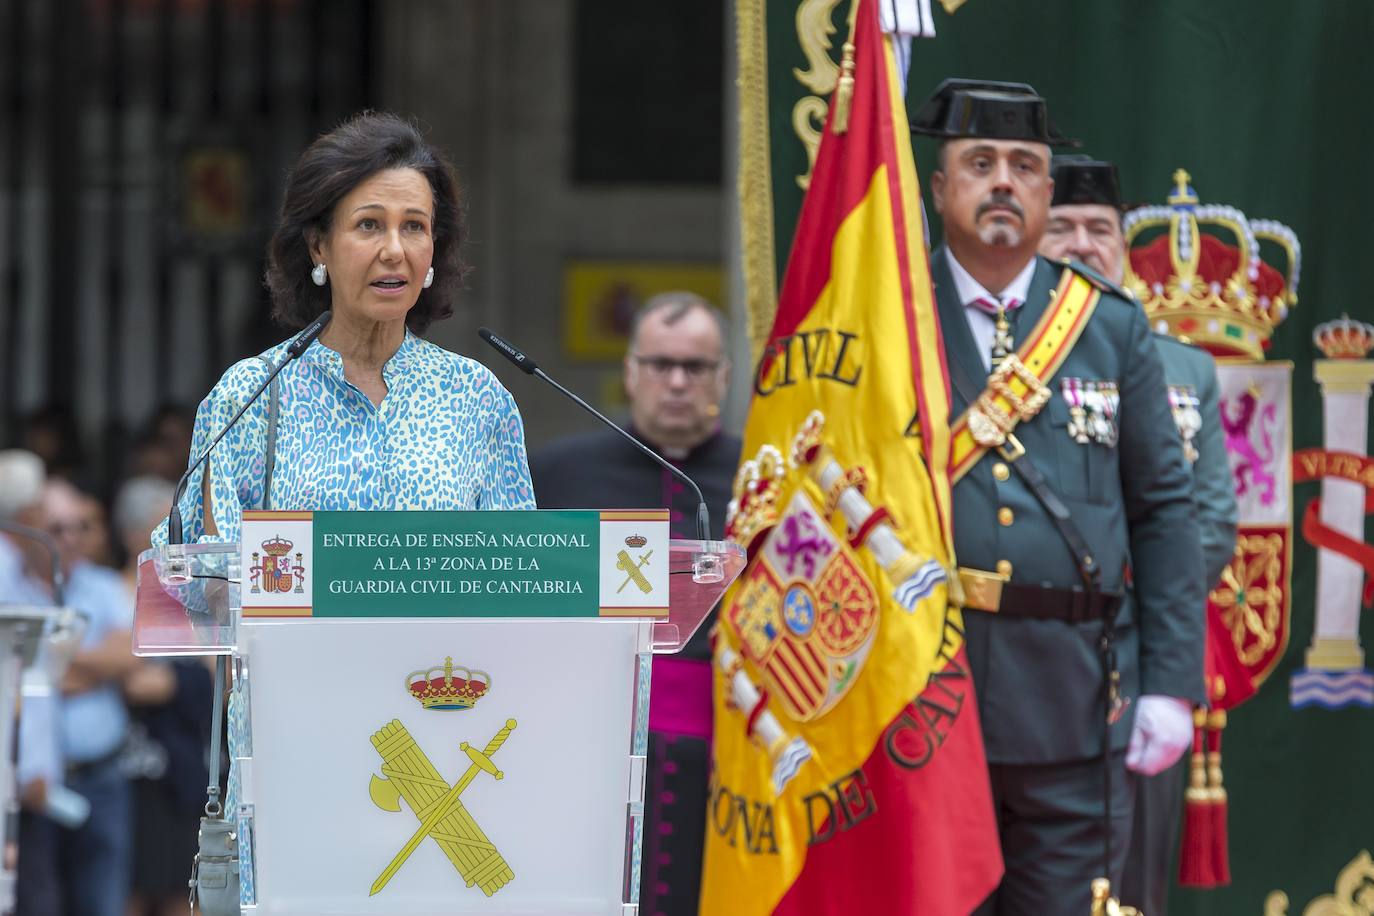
{"x": 370, "y": 416}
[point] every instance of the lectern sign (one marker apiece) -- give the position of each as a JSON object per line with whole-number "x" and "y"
{"x": 455, "y": 564}
{"x": 436, "y": 712}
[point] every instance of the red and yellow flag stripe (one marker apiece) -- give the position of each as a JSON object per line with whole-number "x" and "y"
{"x": 890, "y": 812}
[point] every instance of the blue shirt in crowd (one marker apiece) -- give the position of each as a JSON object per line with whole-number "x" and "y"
{"x": 90, "y": 725}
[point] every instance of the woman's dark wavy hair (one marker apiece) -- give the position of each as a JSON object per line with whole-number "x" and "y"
{"x": 327, "y": 171}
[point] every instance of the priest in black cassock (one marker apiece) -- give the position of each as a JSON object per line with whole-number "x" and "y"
{"x": 676, "y": 371}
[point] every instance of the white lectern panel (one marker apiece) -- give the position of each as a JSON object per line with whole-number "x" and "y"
{"x": 320, "y": 690}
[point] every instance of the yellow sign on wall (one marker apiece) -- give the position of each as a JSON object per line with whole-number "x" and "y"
{"x": 600, "y": 299}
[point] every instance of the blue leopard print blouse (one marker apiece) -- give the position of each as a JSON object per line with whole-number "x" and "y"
{"x": 446, "y": 436}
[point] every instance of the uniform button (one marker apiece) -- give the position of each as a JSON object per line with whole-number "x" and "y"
{"x": 1005, "y": 516}
{"x": 1001, "y": 471}
{"x": 1004, "y": 568}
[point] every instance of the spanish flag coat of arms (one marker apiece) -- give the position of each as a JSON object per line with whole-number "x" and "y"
{"x": 848, "y": 772}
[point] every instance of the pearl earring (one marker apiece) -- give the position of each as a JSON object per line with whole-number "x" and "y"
{"x": 429, "y": 278}
{"x": 318, "y": 274}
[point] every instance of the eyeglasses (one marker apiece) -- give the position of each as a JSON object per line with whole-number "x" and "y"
{"x": 662, "y": 367}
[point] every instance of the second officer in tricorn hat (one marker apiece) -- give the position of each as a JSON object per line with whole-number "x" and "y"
{"x": 1085, "y": 225}
{"x": 1074, "y": 523}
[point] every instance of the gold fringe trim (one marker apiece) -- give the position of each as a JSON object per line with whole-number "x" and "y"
{"x": 755, "y": 173}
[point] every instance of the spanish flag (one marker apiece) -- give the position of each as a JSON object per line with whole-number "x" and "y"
{"x": 848, "y": 771}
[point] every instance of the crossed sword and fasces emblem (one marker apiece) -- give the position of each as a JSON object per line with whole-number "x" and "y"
{"x": 633, "y": 571}
{"x": 408, "y": 774}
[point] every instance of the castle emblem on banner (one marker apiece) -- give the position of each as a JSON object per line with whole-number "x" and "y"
{"x": 1206, "y": 274}
{"x": 409, "y": 775}
{"x": 274, "y": 569}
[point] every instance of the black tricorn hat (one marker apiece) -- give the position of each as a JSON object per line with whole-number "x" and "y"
{"x": 1082, "y": 179}
{"x": 989, "y": 110}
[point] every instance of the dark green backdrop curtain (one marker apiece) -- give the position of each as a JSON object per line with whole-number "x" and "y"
{"x": 1268, "y": 105}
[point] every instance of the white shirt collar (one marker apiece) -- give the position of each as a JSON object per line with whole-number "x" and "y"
{"x": 970, "y": 289}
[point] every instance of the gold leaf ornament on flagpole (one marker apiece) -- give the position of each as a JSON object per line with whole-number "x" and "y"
{"x": 815, "y": 26}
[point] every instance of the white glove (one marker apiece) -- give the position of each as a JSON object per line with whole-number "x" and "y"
{"x": 1163, "y": 732}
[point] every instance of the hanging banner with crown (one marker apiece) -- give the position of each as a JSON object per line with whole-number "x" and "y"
{"x": 1199, "y": 273}
{"x": 1334, "y": 674}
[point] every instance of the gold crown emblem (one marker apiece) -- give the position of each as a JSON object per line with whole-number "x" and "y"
{"x": 277, "y": 547}
{"x": 448, "y": 687}
{"x": 807, "y": 444}
{"x": 636, "y": 540}
{"x": 754, "y": 506}
{"x": 1199, "y": 286}
{"x": 1344, "y": 339}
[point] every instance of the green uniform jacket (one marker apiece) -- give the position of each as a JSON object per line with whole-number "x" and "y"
{"x": 1213, "y": 489}
{"x": 1040, "y": 682}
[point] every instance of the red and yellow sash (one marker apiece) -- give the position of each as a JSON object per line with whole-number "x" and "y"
{"x": 1042, "y": 353}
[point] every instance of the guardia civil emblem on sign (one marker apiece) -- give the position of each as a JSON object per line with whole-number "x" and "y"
{"x": 408, "y": 775}
{"x": 633, "y": 568}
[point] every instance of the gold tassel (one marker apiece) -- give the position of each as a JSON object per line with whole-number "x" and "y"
{"x": 1221, "y": 841}
{"x": 844, "y": 91}
{"x": 1195, "y": 859}
{"x": 844, "y": 88}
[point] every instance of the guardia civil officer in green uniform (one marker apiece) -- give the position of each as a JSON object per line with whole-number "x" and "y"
{"x": 1085, "y": 226}
{"x": 1074, "y": 524}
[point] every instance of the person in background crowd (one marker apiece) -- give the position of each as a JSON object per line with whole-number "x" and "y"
{"x": 676, "y": 372}
{"x": 25, "y": 568}
{"x": 94, "y": 860}
{"x": 92, "y": 533}
{"x": 166, "y": 754}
